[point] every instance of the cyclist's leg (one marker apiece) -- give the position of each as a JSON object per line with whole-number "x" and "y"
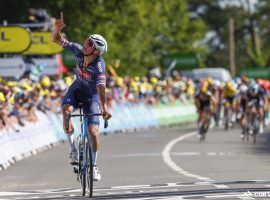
{"x": 233, "y": 108}
{"x": 93, "y": 130}
{"x": 261, "y": 114}
{"x": 93, "y": 124}
{"x": 200, "y": 116}
{"x": 68, "y": 104}
{"x": 67, "y": 110}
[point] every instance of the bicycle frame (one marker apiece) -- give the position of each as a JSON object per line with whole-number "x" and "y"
{"x": 85, "y": 148}
{"x": 83, "y": 137}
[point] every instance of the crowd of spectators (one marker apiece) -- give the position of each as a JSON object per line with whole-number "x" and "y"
{"x": 20, "y": 100}
{"x": 149, "y": 90}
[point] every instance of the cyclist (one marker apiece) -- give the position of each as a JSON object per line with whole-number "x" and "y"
{"x": 242, "y": 102}
{"x": 89, "y": 85}
{"x": 229, "y": 96}
{"x": 215, "y": 89}
{"x": 255, "y": 93}
{"x": 204, "y": 101}
{"x": 264, "y": 84}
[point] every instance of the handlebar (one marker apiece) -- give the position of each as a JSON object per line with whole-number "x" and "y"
{"x": 106, "y": 123}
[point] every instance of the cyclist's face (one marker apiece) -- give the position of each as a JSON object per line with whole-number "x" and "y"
{"x": 89, "y": 47}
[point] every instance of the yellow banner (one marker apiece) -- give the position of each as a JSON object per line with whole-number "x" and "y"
{"x": 14, "y": 39}
{"x": 42, "y": 44}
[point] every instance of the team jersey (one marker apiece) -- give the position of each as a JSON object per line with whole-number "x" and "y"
{"x": 259, "y": 96}
{"x": 87, "y": 78}
{"x": 230, "y": 92}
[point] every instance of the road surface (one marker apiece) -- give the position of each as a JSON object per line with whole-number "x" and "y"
{"x": 166, "y": 163}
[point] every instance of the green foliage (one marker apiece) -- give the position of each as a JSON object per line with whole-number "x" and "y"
{"x": 251, "y": 31}
{"x": 139, "y": 32}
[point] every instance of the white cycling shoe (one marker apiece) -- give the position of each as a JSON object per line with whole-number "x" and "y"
{"x": 96, "y": 174}
{"x": 73, "y": 159}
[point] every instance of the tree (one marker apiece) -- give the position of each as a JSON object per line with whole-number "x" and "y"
{"x": 139, "y": 32}
{"x": 250, "y": 35}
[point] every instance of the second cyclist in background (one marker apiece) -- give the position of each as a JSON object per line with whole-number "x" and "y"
{"x": 257, "y": 95}
{"x": 229, "y": 98}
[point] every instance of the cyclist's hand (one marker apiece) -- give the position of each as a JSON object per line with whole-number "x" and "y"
{"x": 59, "y": 23}
{"x": 106, "y": 115}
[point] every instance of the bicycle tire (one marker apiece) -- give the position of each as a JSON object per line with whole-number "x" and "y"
{"x": 79, "y": 161}
{"x": 83, "y": 172}
{"x": 89, "y": 170}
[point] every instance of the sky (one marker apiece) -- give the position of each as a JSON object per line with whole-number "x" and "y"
{"x": 238, "y": 2}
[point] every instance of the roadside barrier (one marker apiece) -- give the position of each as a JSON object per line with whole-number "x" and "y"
{"x": 47, "y": 132}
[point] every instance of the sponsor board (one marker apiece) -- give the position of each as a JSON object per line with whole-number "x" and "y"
{"x": 12, "y": 67}
{"x": 49, "y": 65}
{"x": 42, "y": 44}
{"x": 14, "y": 39}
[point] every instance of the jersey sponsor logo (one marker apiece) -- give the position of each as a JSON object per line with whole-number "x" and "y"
{"x": 83, "y": 74}
{"x": 100, "y": 67}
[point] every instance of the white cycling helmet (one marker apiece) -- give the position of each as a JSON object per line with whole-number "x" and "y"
{"x": 254, "y": 88}
{"x": 243, "y": 89}
{"x": 100, "y": 42}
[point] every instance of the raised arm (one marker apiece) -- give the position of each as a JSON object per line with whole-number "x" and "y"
{"x": 58, "y": 26}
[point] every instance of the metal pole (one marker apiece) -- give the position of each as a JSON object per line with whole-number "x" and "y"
{"x": 232, "y": 46}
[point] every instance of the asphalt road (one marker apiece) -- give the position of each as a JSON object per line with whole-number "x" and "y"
{"x": 165, "y": 163}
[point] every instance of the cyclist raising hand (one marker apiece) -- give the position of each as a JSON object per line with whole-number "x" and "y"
{"x": 88, "y": 87}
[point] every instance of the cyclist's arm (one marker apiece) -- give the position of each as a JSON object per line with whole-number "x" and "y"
{"x": 102, "y": 96}
{"x": 56, "y": 36}
{"x": 101, "y": 84}
{"x": 58, "y": 26}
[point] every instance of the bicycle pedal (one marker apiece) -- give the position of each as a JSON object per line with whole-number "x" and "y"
{"x": 74, "y": 163}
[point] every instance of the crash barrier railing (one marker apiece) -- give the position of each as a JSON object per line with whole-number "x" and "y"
{"x": 47, "y": 132}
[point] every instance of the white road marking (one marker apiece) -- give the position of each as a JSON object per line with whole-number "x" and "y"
{"x": 168, "y": 160}
{"x": 14, "y": 193}
{"x": 131, "y": 186}
{"x": 236, "y": 195}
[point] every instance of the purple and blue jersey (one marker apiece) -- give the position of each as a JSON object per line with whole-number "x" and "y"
{"x": 84, "y": 88}
{"x": 89, "y": 77}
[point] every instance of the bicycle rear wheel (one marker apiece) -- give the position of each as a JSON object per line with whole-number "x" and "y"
{"x": 89, "y": 169}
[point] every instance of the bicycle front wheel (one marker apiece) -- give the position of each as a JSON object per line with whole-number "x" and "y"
{"x": 82, "y": 166}
{"x": 89, "y": 169}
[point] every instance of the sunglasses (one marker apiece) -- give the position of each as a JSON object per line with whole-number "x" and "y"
{"x": 90, "y": 43}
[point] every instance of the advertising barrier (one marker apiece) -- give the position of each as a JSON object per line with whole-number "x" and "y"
{"x": 47, "y": 132}
{"x": 12, "y": 67}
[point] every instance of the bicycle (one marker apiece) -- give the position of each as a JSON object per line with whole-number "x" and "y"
{"x": 253, "y": 120}
{"x": 85, "y": 154}
{"x": 245, "y": 128}
{"x": 205, "y": 124}
{"x": 229, "y": 116}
